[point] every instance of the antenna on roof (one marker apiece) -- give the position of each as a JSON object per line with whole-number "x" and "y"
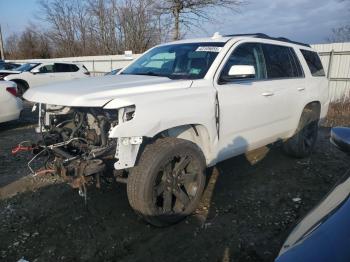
{"x": 216, "y": 35}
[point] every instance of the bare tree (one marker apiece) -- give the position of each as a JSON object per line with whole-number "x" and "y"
{"x": 60, "y": 16}
{"x": 11, "y": 47}
{"x": 340, "y": 34}
{"x": 138, "y": 25}
{"x": 30, "y": 44}
{"x": 103, "y": 27}
{"x": 189, "y": 12}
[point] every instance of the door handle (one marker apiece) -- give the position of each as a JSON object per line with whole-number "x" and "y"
{"x": 301, "y": 88}
{"x": 267, "y": 94}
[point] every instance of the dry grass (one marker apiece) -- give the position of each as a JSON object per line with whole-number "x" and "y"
{"x": 338, "y": 114}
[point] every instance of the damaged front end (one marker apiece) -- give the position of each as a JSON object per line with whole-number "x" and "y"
{"x": 75, "y": 142}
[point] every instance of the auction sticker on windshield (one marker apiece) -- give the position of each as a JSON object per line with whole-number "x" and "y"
{"x": 215, "y": 49}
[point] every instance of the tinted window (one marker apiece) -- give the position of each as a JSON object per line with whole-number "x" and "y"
{"x": 8, "y": 66}
{"x": 313, "y": 62}
{"x": 62, "y": 68}
{"x": 281, "y": 62}
{"x": 246, "y": 54}
{"x": 46, "y": 69}
{"x": 11, "y": 66}
{"x": 296, "y": 64}
{"x": 74, "y": 68}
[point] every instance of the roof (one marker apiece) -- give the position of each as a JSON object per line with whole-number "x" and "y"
{"x": 224, "y": 38}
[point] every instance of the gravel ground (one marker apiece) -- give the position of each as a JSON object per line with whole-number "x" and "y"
{"x": 246, "y": 212}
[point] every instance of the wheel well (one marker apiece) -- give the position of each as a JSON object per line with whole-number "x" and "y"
{"x": 195, "y": 133}
{"x": 20, "y": 81}
{"x": 314, "y": 106}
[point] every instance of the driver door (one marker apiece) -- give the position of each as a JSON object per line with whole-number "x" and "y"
{"x": 245, "y": 104}
{"x": 44, "y": 75}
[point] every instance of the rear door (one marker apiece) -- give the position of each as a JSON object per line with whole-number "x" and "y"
{"x": 44, "y": 75}
{"x": 317, "y": 84}
{"x": 286, "y": 83}
{"x": 65, "y": 71}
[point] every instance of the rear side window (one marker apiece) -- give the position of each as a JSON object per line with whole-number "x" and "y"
{"x": 64, "y": 68}
{"x": 74, "y": 68}
{"x": 313, "y": 62}
{"x": 281, "y": 62}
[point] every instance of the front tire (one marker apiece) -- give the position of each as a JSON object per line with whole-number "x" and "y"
{"x": 168, "y": 181}
{"x": 303, "y": 142}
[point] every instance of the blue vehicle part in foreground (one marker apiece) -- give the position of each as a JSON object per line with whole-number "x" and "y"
{"x": 330, "y": 241}
{"x": 324, "y": 234}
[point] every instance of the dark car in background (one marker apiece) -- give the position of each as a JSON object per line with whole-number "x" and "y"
{"x": 8, "y": 66}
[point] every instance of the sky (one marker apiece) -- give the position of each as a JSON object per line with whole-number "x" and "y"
{"x": 15, "y": 15}
{"x": 308, "y": 21}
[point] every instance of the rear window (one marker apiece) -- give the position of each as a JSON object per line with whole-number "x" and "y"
{"x": 74, "y": 68}
{"x": 281, "y": 62}
{"x": 313, "y": 62}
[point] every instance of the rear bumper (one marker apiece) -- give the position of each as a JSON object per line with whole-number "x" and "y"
{"x": 14, "y": 109}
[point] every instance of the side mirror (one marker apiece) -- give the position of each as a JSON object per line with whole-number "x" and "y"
{"x": 241, "y": 72}
{"x": 35, "y": 71}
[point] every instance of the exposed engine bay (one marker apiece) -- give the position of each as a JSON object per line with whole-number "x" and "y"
{"x": 75, "y": 142}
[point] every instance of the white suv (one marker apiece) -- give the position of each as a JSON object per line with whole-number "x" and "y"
{"x": 179, "y": 108}
{"x": 34, "y": 74}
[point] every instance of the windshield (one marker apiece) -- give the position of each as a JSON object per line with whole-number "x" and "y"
{"x": 178, "y": 61}
{"x": 26, "y": 67}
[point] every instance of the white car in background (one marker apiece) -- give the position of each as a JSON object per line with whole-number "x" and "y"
{"x": 35, "y": 74}
{"x": 10, "y": 105}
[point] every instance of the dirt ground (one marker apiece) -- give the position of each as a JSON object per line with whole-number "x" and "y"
{"x": 245, "y": 215}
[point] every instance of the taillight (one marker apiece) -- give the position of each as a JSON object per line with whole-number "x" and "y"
{"x": 12, "y": 90}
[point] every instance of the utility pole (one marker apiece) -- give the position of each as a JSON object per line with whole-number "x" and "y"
{"x": 1, "y": 46}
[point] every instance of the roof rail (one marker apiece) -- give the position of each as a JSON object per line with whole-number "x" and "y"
{"x": 265, "y": 36}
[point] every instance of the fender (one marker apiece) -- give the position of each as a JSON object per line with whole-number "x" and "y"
{"x": 158, "y": 112}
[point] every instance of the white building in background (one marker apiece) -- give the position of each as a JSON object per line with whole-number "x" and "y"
{"x": 336, "y": 61}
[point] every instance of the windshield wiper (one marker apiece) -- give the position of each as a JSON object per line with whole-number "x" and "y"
{"x": 147, "y": 74}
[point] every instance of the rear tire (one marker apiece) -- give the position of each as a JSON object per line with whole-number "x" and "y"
{"x": 302, "y": 143}
{"x": 168, "y": 181}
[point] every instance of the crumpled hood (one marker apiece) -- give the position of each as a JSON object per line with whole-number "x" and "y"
{"x": 98, "y": 91}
